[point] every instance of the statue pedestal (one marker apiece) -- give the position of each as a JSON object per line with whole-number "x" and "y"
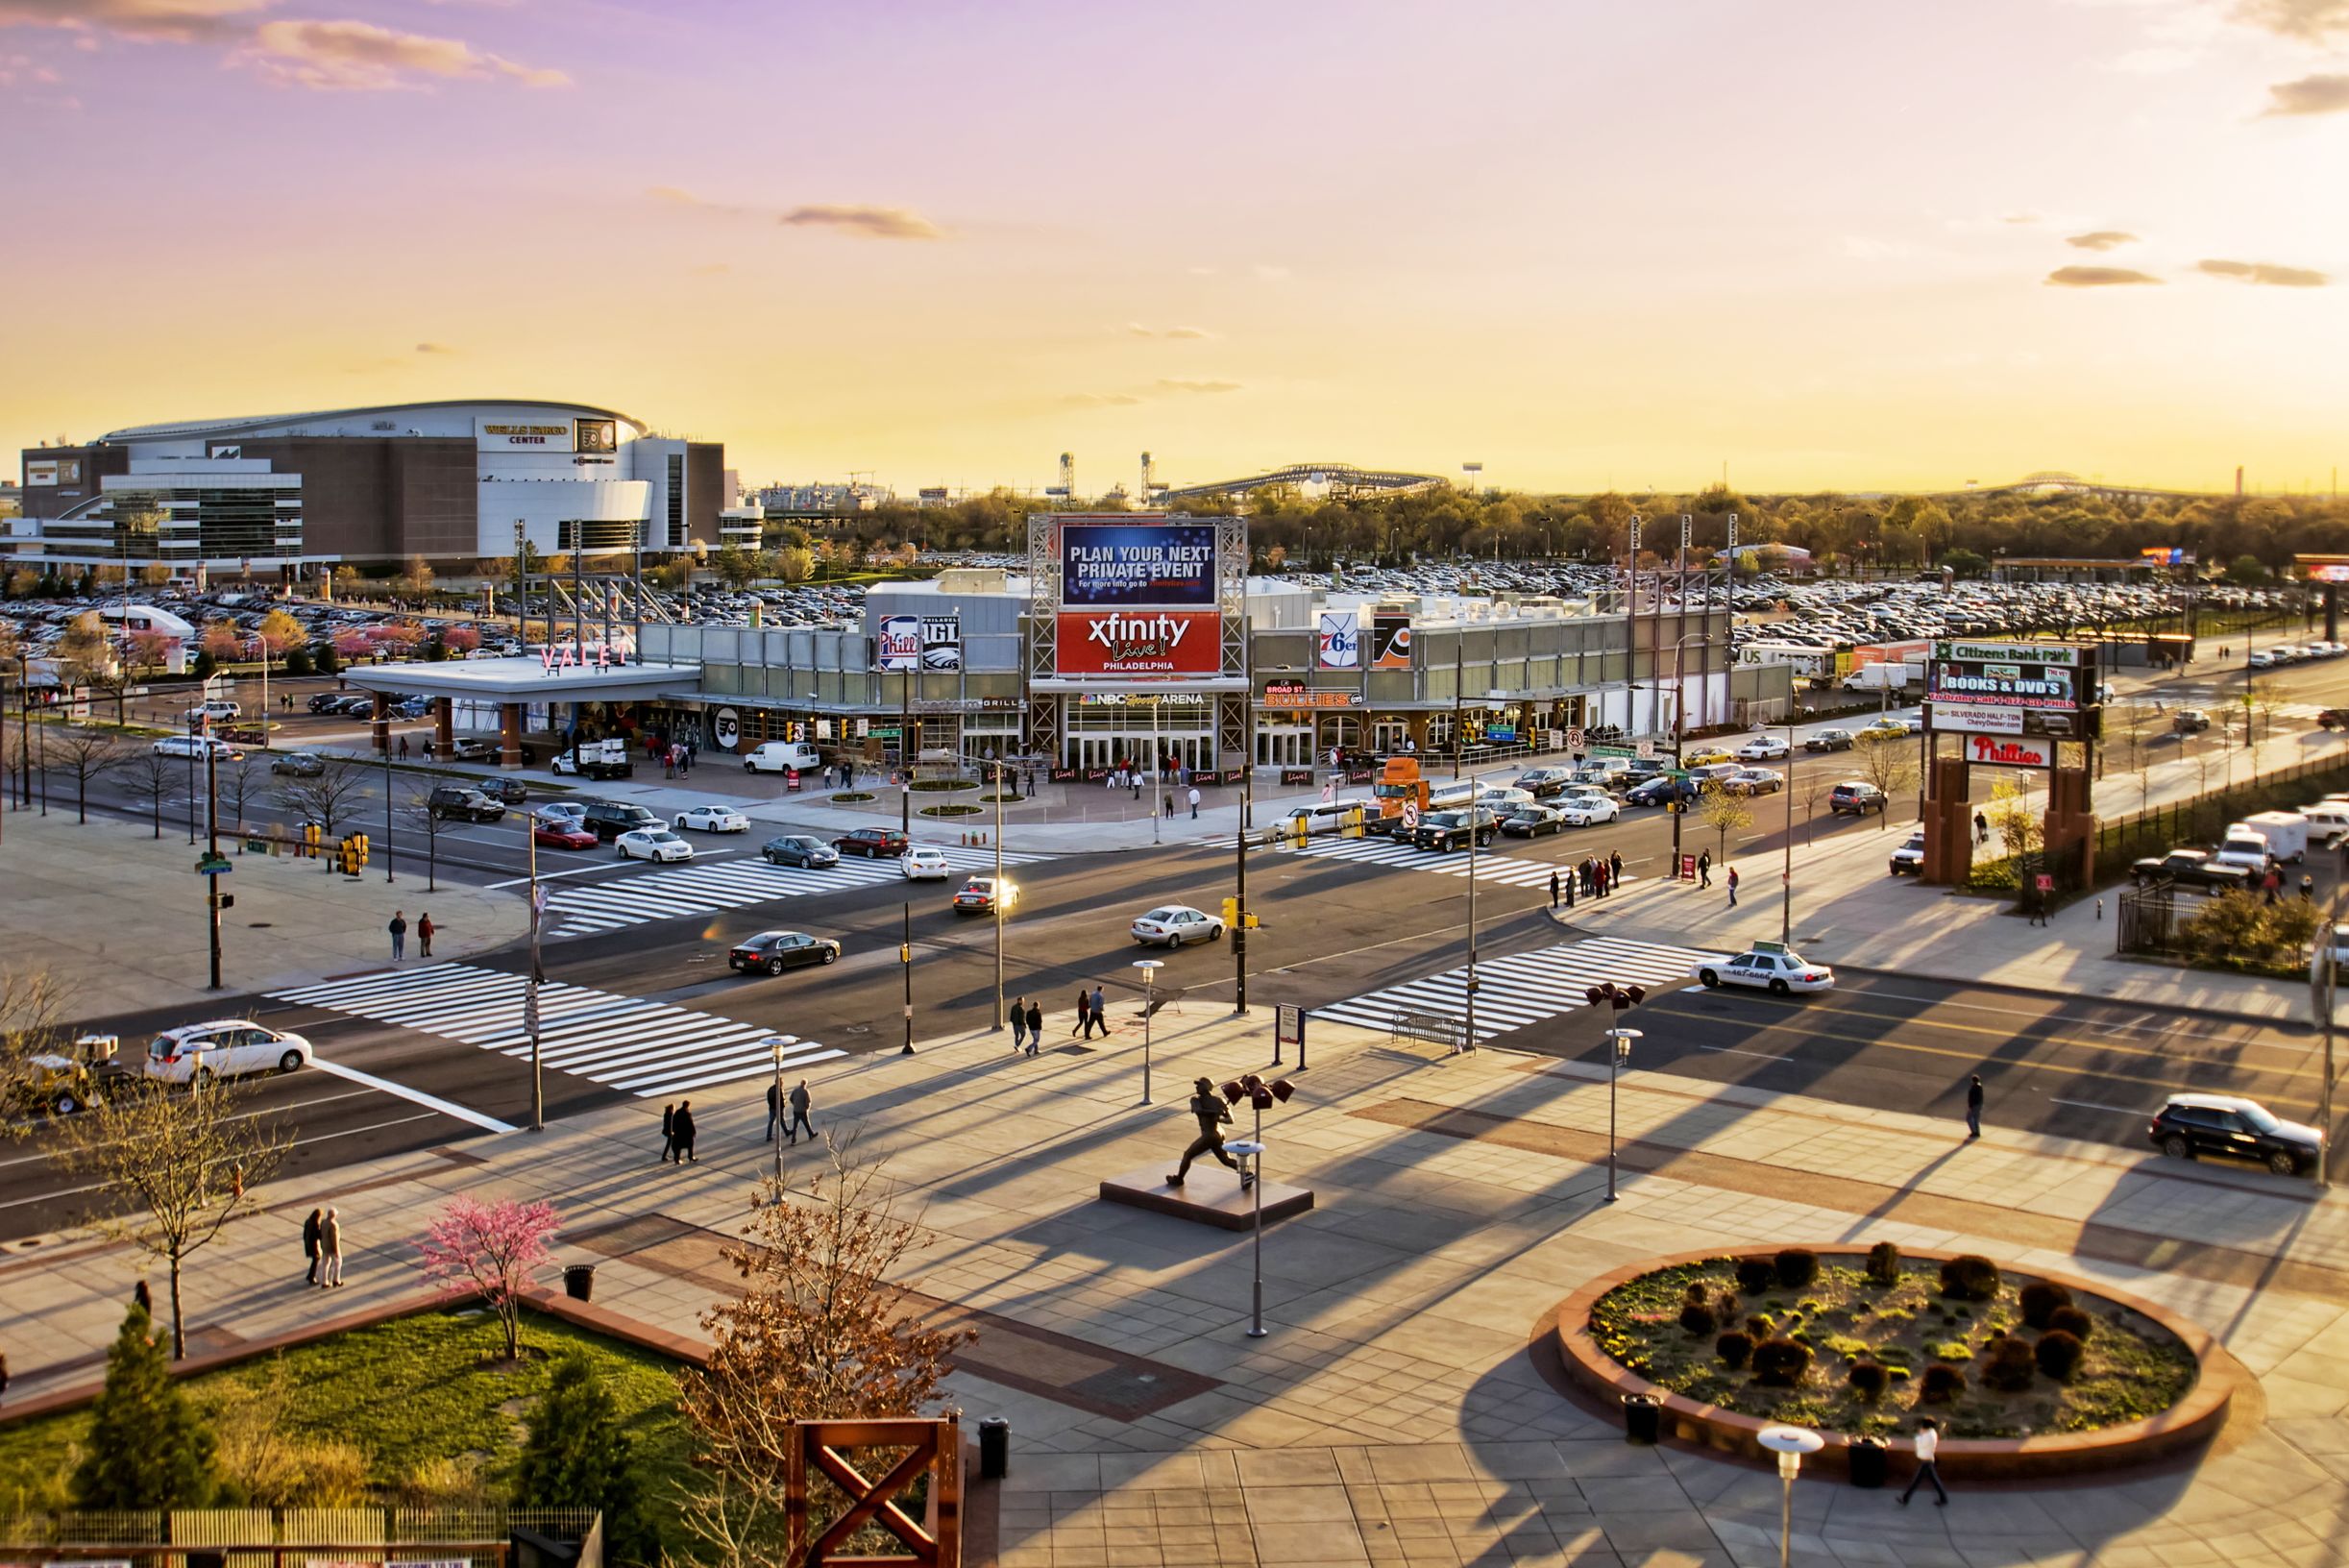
{"x": 1209, "y": 1196}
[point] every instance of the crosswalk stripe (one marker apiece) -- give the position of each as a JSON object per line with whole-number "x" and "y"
{"x": 1523, "y": 989}
{"x": 1510, "y": 870}
{"x": 586, "y": 909}
{"x": 624, "y": 1043}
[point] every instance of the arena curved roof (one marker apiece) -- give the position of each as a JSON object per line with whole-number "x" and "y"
{"x": 183, "y": 429}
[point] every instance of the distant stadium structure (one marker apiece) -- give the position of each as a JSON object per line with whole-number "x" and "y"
{"x": 1316, "y": 482}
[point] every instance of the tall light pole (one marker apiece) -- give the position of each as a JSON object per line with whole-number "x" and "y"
{"x": 774, "y": 1117}
{"x": 1150, "y": 968}
{"x": 387, "y": 802}
{"x": 1261, "y": 1095}
{"x": 905, "y": 956}
{"x": 1786, "y": 916}
{"x": 211, "y": 879}
{"x": 1790, "y": 1444}
{"x": 530, "y": 990}
{"x": 1619, "y": 1056}
{"x": 997, "y": 1026}
{"x": 1468, "y": 1026}
{"x": 1157, "y": 771}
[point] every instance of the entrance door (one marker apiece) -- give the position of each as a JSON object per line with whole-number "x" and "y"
{"x": 1389, "y": 734}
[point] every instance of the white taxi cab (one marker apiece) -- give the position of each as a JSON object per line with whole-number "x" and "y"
{"x": 1773, "y": 965}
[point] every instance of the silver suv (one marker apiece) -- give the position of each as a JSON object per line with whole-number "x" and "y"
{"x": 1910, "y": 857}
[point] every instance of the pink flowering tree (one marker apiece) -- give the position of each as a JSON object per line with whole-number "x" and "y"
{"x": 490, "y": 1250}
{"x": 459, "y": 639}
{"x": 352, "y": 644}
{"x": 399, "y": 636}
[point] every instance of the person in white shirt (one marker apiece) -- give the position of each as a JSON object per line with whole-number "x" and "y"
{"x": 1928, "y": 1444}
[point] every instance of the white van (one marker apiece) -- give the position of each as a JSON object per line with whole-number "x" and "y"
{"x": 779, "y": 756}
{"x": 2327, "y": 818}
{"x": 1323, "y": 816}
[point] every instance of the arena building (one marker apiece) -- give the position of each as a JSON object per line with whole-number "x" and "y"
{"x": 302, "y": 492}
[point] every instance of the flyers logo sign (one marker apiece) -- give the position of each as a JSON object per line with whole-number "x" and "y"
{"x": 1145, "y": 642}
{"x": 1391, "y": 642}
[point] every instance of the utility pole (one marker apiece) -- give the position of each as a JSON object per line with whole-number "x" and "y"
{"x": 998, "y": 1025}
{"x": 530, "y": 989}
{"x": 211, "y": 883}
{"x": 905, "y": 960}
{"x": 1468, "y": 1034}
{"x": 387, "y": 802}
{"x": 1239, "y": 924}
{"x": 1786, "y": 916}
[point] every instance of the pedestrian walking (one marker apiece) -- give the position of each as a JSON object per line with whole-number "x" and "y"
{"x": 668, "y": 763}
{"x": 1554, "y": 888}
{"x": 1101, "y": 1013}
{"x": 683, "y": 1130}
{"x": 424, "y": 933}
{"x": 1928, "y": 1444}
{"x": 141, "y": 1297}
{"x": 310, "y": 1229}
{"x": 399, "y": 935}
{"x": 1019, "y": 1024}
{"x": 1981, "y": 828}
{"x": 1732, "y": 887}
{"x": 331, "y": 1250}
{"x": 428, "y": 748}
{"x": 1974, "y": 1106}
{"x": 669, "y": 1133}
{"x": 1169, "y": 805}
{"x": 1035, "y": 1025}
{"x": 1194, "y": 802}
{"x": 1213, "y": 1118}
{"x": 800, "y": 1102}
{"x": 403, "y": 745}
{"x": 775, "y": 1108}
{"x": 1704, "y": 867}
{"x": 1084, "y": 1013}
{"x": 1614, "y": 867}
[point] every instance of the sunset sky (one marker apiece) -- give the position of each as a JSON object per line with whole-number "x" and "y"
{"x": 1833, "y": 243}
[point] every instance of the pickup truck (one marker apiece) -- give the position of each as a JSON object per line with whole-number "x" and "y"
{"x": 2192, "y": 868}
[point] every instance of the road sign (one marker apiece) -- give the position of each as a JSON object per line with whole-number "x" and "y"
{"x": 1647, "y": 750}
{"x": 1410, "y": 817}
{"x": 1575, "y": 738}
{"x": 215, "y": 865}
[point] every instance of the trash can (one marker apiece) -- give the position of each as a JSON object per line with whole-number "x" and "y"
{"x": 1643, "y": 1418}
{"x": 995, "y": 1448}
{"x": 579, "y": 1282}
{"x": 1871, "y": 1461}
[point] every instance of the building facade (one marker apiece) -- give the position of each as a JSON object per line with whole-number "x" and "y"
{"x": 301, "y": 492}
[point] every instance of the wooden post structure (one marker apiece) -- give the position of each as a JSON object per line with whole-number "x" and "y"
{"x": 934, "y": 1447}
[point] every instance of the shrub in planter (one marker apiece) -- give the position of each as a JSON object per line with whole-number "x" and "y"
{"x": 1725, "y": 1305}
{"x": 2058, "y": 1354}
{"x": 2072, "y": 1321}
{"x": 1795, "y": 1266}
{"x": 1756, "y": 1275}
{"x": 1780, "y": 1362}
{"x": 1733, "y": 1348}
{"x": 1698, "y": 1318}
{"x": 1884, "y": 1263}
{"x": 2012, "y": 1365}
{"x": 1941, "y": 1383}
{"x": 1970, "y": 1278}
{"x": 1868, "y": 1380}
{"x": 2040, "y": 1301}
{"x": 1761, "y": 1325}
{"x": 1695, "y": 1292}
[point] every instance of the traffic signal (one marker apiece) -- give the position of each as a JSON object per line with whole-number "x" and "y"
{"x": 1618, "y": 996}
{"x": 1231, "y": 912}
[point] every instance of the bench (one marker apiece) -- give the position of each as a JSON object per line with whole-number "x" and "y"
{"x": 1446, "y": 1029}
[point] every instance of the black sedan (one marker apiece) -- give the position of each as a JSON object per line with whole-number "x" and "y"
{"x": 772, "y": 952}
{"x": 1531, "y": 822}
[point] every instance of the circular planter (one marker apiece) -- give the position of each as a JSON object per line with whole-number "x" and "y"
{"x": 948, "y": 811}
{"x": 2191, "y": 1422}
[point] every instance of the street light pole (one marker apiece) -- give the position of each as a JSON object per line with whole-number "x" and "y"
{"x": 1620, "y": 1039}
{"x": 905, "y": 960}
{"x": 1468, "y": 1028}
{"x": 1786, "y": 918}
{"x": 211, "y": 881}
{"x": 1790, "y": 1444}
{"x": 997, "y": 1026}
{"x": 387, "y": 803}
{"x": 774, "y": 1116}
{"x": 1150, "y": 968}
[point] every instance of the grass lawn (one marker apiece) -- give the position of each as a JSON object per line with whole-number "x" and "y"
{"x": 2130, "y": 1368}
{"x": 412, "y": 1389}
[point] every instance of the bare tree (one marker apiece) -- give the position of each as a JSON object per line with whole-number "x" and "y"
{"x": 183, "y": 1159}
{"x": 1889, "y": 761}
{"x": 328, "y": 797}
{"x": 2130, "y": 727}
{"x": 823, "y": 1331}
{"x": 84, "y": 754}
{"x": 149, "y": 777}
{"x": 31, "y": 1004}
{"x": 240, "y": 783}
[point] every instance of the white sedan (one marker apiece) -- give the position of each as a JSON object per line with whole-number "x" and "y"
{"x": 1583, "y": 810}
{"x": 924, "y": 864}
{"x": 1762, "y": 748}
{"x": 713, "y": 820}
{"x": 1175, "y": 924}
{"x": 1773, "y": 965}
{"x": 652, "y": 843}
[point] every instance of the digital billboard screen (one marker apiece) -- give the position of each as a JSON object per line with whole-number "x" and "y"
{"x": 2048, "y": 676}
{"x": 1110, "y": 564}
{"x": 1150, "y": 642}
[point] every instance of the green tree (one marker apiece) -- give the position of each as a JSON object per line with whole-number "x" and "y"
{"x": 575, "y": 1455}
{"x": 1724, "y": 812}
{"x": 148, "y": 1448}
{"x": 2245, "y": 571}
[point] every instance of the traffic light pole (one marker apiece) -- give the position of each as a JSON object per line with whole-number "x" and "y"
{"x": 905, "y": 956}
{"x": 1239, "y": 924}
{"x": 211, "y": 882}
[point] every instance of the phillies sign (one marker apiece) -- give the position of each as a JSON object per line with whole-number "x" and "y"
{"x": 1145, "y": 642}
{"x": 2005, "y": 752}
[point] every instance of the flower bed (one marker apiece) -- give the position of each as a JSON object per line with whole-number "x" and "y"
{"x": 2026, "y": 1373}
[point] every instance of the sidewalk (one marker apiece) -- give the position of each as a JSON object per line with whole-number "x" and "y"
{"x": 1394, "y": 1413}
{"x": 116, "y": 915}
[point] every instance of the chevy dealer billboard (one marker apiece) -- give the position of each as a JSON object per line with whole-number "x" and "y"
{"x": 1119, "y": 564}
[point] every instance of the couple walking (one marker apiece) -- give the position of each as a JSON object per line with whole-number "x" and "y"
{"x": 1027, "y": 1020}
{"x": 799, "y": 1101}
{"x": 677, "y": 1134}
{"x": 1090, "y": 1012}
{"x": 322, "y": 1243}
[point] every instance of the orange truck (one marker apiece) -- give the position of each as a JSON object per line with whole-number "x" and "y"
{"x": 1401, "y": 784}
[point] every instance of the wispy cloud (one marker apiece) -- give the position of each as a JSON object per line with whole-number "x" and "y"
{"x": 1100, "y": 399}
{"x": 22, "y": 69}
{"x": 2265, "y": 273}
{"x": 2097, "y": 277}
{"x": 434, "y": 347}
{"x": 2102, "y": 239}
{"x": 2021, "y": 218}
{"x": 360, "y": 56}
{"x": 2309, "y": 21}
{"x": 177, "y": 21}
{"x": 1137, "y": 328}
{"x": 864, "y": 222}
{"x": 1185, "y": 384}
{"x": 2310, "y": 95}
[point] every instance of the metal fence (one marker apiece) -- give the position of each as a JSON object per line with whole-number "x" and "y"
{"x": 2203, "y": 818}
{"x": 2148, "y": 920}
{"x": 271, "y": 1537}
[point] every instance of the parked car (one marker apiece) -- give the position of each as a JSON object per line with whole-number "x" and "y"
{"x": 512, "y": 790}
{"x": 1856, "y": 798}
{"x": 2192, "y": 868}
{"x": 568, "y": 810}
{"x": 455, "y": 802}
{"x": 217, "y": 709}
{"x": 712, "y": 818}
{"x": 476, "y": 748}
{"x": 2228, "y": 1124}
{"x": 1705, "y": 756}
{"x": 298, "y": 764}
{"x": 1762, "y": 748}
{"x": 873, "y": 843}
{"x": 1827, "y": 740}
{"x": 780, "y": 756}
{"x": 1588, "y": 810}
{"x": 325, "y": 701}
{"x": 226, "y": 1048}
{"x": 1173, "y": 925}
{"x": 1754, "y": 781}
{"x": 656, "y": 843}
{"x": 1910, "y": 858}
{"x": 195, "y": 745}
{"x": 772, "y": 952}
{"x": 799, "y": 849}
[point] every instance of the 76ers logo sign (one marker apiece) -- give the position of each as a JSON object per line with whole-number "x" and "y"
{"x": 1147, "y": 643}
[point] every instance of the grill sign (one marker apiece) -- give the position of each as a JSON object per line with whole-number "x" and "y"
{"x": 1155, "y": 642}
